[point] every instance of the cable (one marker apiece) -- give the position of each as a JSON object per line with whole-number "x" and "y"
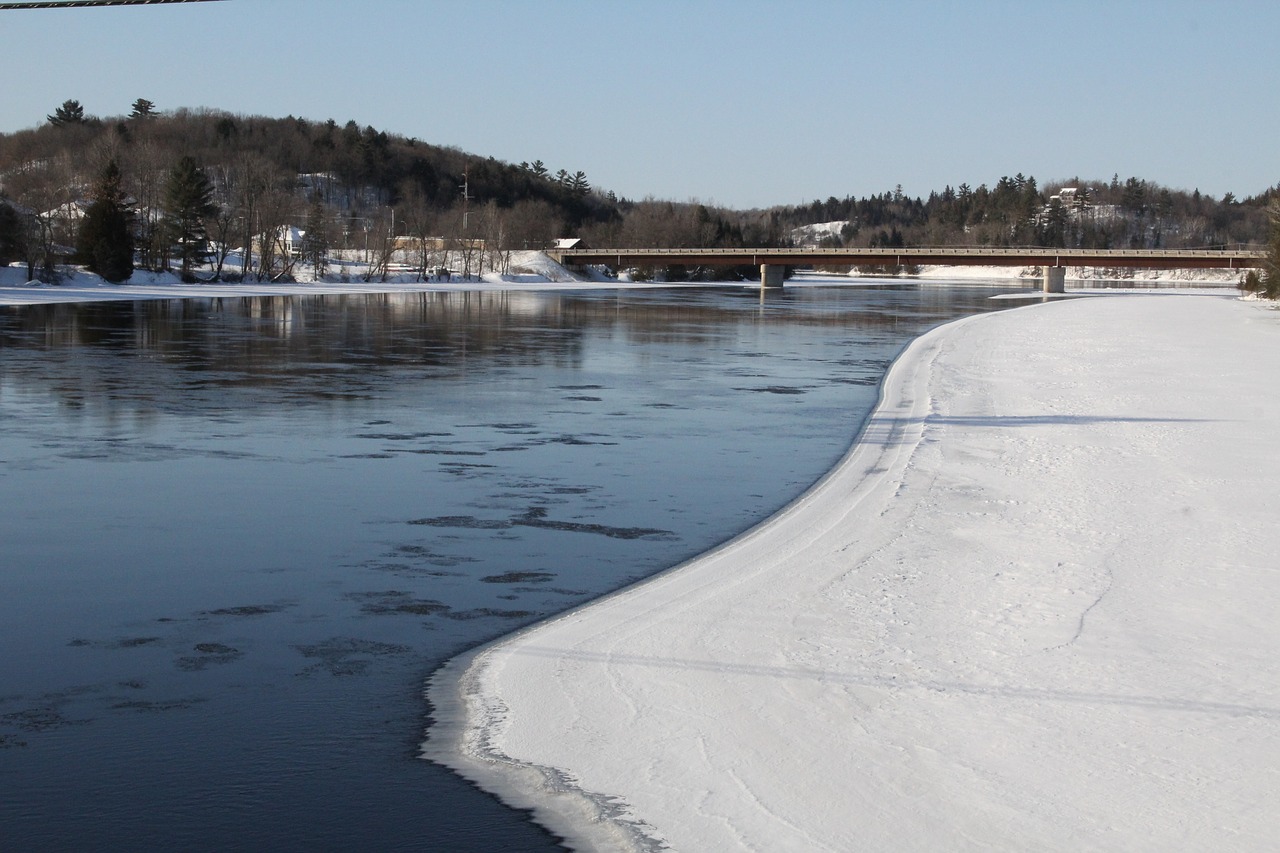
{"x": 83, "y": 4}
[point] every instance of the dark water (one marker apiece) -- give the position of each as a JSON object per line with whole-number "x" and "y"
{"x": 237, "y": 535}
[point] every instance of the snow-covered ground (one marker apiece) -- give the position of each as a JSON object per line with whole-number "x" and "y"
{"x": 1034, "y": 608}
{"x": 527, "y": 268}
{"x": 810, "y": 236}
{"x": 1078, "y": 277}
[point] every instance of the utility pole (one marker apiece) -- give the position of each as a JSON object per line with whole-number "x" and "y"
{"x": 466, "y": 217}
{"x": 466, "y": 199}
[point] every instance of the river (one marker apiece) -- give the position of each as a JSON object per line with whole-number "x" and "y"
{"x": 238, "y": 534}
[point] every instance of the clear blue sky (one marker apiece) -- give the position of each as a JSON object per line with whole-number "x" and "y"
{"x": 741, "y": 102}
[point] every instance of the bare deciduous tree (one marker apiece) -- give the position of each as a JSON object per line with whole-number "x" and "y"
{"x": 496, "y": 238}
{"x": 532, "y": 225}
{"x": 420, "y": 224}
{"x": 264, "y": 203}
{"x": 380, "y": 245}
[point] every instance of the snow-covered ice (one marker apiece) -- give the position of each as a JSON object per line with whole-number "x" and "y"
{"x": 1034, "y": 608}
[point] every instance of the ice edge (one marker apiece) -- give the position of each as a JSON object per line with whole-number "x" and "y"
{"x": 465, "y": 718}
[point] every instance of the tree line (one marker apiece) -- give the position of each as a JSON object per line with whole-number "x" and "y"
{"x": 1017, "y": 211}
{"x": 249, "y": 177}
{"x": 189, "y": 185}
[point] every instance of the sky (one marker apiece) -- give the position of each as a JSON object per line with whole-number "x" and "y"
{"x": 740, "y": 103}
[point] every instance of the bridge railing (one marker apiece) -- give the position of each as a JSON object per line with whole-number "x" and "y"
{"x": 960, "y": 251}
{"x": 1048, "y": 257}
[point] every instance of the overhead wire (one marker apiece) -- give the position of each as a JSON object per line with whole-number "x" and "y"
{"x": 83, "y": 4}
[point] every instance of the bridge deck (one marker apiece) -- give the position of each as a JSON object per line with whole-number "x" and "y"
{"x": 1242, "y": 258}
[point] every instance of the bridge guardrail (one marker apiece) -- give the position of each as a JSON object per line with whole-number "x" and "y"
{"x": 917, "y": 250}
{"x": 1039, "y": 256}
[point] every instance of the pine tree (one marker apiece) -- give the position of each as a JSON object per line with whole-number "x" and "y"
{"x": 142, "y": 108}
{"x": 188, "y": 197}
{"x": 1134, "y": 199}
{"x": 1270, "y": 281}
{"x": 69, "y": 113}
{"x": 578, "y": 184}
{"x": 104, "y": 243}
{"x": 12, "y": 235}
{"x": 315, "y": 239}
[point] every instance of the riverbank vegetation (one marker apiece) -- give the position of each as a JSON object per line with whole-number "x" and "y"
{"x": 248, "y": 196}
{"x": 1266, "y": 282}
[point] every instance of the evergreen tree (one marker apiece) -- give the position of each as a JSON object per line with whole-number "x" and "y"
{"x": 104, "y": 243}
{"x": 1268, "y": 284}
{"x": 1134, "y": 199}
{"x": 142, "y": 108}
{"x": 578, "y": 184}
{"x": 315, "y": 239}
{"x": 1053, "y": 226}
{"x": 69, "y": 113}
{"x": 13, "y": 242}
{"x": 188, "y": 197}
{"x": 226, "y": 128}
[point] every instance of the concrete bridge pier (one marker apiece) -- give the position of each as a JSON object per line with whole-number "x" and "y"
{"x": 772, "y": 275}
{"x": 1055, "y": 279}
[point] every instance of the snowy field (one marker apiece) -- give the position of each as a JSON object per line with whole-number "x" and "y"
{"x": 1034, "y": 608}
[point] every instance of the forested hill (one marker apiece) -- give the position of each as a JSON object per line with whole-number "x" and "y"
{"x": 359, "y": 172}
{"x": 267, "y": 173}
{"x": 1094, "y": 214}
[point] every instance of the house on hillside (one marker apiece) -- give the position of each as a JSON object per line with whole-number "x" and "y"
{"x": 1067, "y": 195}
{"x": 63, "y": 222}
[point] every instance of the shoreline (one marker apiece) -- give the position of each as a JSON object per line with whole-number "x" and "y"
{"x": 540, "y": 273}
{"x": 665, "y": 682}
{"x": 464, "y": 716}
{"x": 62, "y": 294}
{"x": 29, "y": 295}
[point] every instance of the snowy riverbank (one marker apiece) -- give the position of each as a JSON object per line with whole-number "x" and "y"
{"x": 1087, "y": 277}
{"x": 532, "y": 269}
{"x": 76, "y": 285}
{"x": 1033, "y": 608}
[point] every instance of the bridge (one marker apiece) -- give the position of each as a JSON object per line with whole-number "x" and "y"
{"x": 773, "y": 262}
